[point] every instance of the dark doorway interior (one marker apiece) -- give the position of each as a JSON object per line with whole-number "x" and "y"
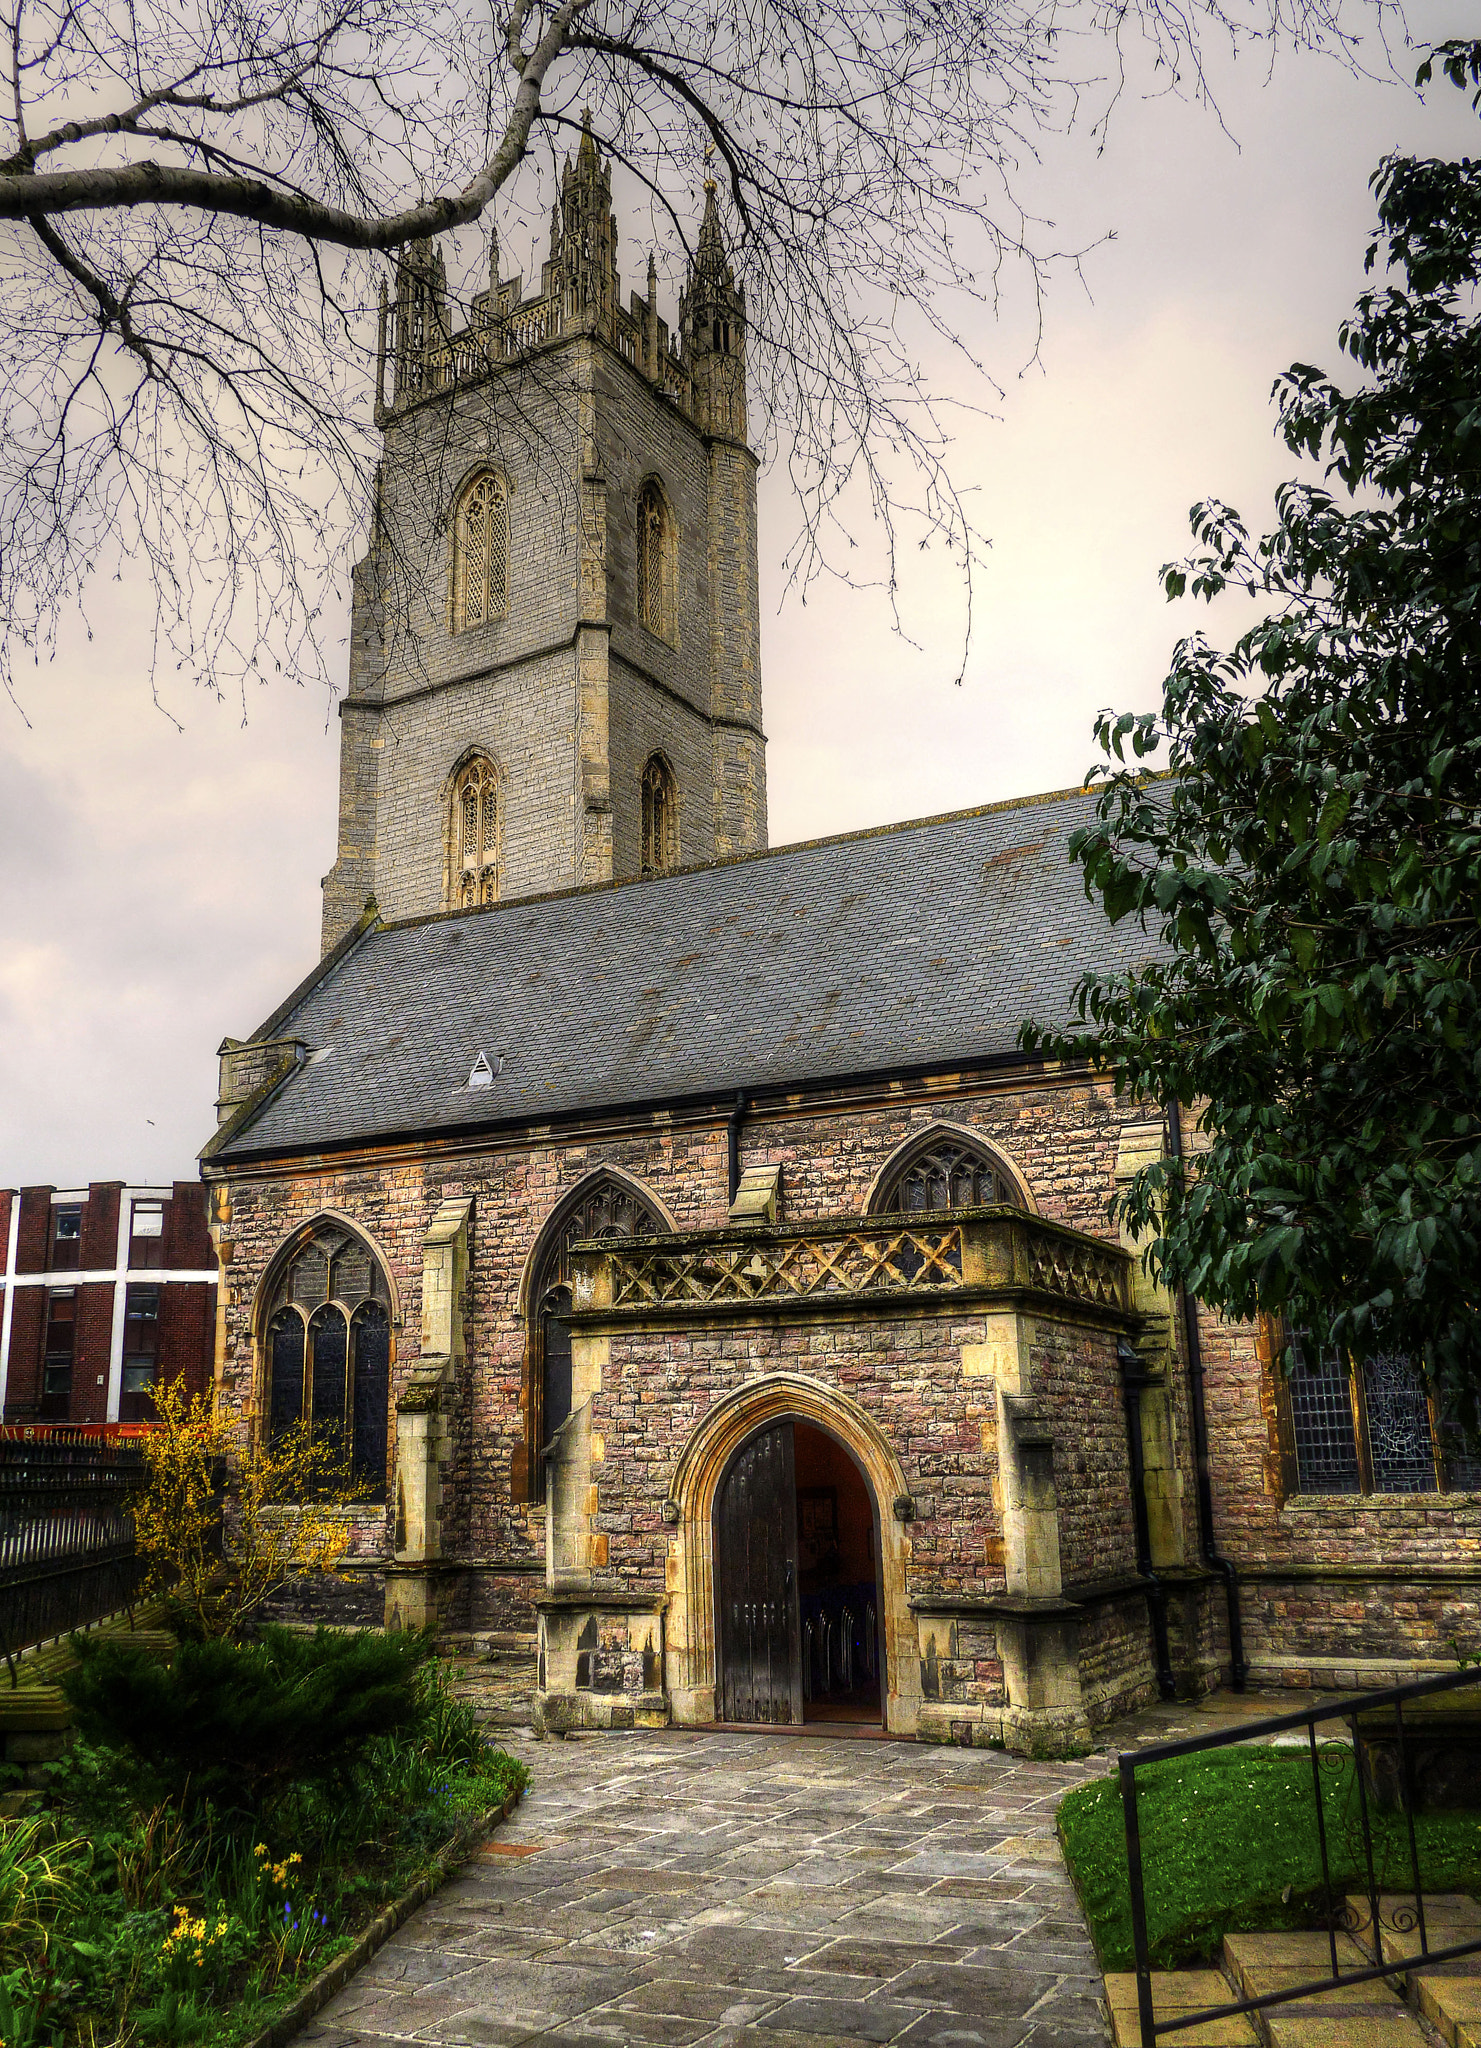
{"x": 837, "y": 1581}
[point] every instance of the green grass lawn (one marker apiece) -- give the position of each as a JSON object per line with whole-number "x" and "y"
{"x": 1229, "y": 1842}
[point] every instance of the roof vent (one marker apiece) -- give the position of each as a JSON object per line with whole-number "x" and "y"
{"x": 483, "y": 1074}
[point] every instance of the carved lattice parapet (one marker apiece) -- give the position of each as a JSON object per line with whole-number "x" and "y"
{"x": 1079, "y": 1269}
{"x": 993, "y": 1250}
{"x": 891, "y": 1260}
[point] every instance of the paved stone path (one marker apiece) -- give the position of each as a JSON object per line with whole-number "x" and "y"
{"x": 782, "y": 1891}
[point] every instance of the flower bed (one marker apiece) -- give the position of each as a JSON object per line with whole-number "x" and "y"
{"x": 133, "y": 1909}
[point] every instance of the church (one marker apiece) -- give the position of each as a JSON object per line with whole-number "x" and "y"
{"x": 708, "y": 1290}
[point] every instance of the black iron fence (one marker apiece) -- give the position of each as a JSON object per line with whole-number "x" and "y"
{"x": 67, "y": 1551}
{"x": 1393, "y": 1767}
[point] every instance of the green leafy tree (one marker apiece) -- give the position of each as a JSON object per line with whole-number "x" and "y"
{"x": 1309, "y": 867}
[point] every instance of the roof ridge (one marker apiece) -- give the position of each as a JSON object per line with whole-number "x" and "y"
{"x": 736, "y": 860}
{"x": 367, "y": 921}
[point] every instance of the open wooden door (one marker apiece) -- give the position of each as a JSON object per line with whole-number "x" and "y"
{"x": 756, "y": 1580}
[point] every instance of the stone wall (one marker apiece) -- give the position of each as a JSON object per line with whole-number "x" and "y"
{"x": 567, "y": 693}
{"x": 903, "y": 1369}
{"x": 1061, "y": 1135}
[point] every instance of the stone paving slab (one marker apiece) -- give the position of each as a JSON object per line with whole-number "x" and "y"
{"x": 716, "y": 1889}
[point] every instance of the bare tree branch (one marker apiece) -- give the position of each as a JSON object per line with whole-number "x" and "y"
{"x": 196, "y": 198}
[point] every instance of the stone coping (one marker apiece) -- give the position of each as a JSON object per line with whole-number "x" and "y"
{"x": 844, "y": 1224}
{"x": 568, "y": 1599}
{"x": 335, "y": 1975}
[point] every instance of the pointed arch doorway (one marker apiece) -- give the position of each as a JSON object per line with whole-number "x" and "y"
{"x": 797, "y": 1571}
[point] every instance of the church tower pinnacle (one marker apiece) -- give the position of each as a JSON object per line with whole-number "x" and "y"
{"x": 712, "y": 318}
{"x": 555, "y": 664}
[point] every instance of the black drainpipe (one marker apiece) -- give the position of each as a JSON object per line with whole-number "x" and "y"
{"x": 1238, "y": 1662}
{"x": 1134, "y": 1376}
{"x": 732, "y": 1139}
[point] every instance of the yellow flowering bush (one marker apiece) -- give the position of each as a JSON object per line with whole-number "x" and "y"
{"x": 278, "y": 1518}
{"x": 192, "y": 1940}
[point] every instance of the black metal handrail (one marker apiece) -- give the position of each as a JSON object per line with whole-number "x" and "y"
{"x": 1349, "y": 1710}
{"x": 67, "y": 1547}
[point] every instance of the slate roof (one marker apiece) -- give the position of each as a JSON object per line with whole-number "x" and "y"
{"x": 917, "y": 945}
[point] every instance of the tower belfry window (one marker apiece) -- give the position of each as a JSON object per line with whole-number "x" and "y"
{"x": 660, "y": 817}
{"x": 655, "y": 562}
{"x": 480, "y": 581}
{"x": 474, "y": 834}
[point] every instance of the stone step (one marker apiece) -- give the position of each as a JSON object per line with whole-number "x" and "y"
{"x": 1175, "y": 1992}
{"x": 1452, "y": 2005}
{"x": 488, "y": 1643}
{"x": 1370, "y": 2015}
{"x": 1449, "y": 1917}
{"x": 1367, "y": 2015}
{"x": 1449, "y": 1995}
{"x": 499, "y": 1687}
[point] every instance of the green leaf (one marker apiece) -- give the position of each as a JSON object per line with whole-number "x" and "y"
{"x": 1309, "y": 873}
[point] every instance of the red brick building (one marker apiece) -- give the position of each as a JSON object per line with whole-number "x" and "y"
{"x": 107, "y": 1290}
{"x": 700, "y": 1275}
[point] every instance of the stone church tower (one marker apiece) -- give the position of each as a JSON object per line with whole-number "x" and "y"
{"x": 554, "y": 667}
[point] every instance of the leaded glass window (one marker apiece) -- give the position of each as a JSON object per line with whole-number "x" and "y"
{"x": 1322, "y": 1424}
{"x": 473, "y": 830}
{"x": 610, "y": 1208}
{"x": 1365, "y": 1428}
{"x": 480, "y": 554}
{"x": 1459, "y": 1432}
{"x": 327, "y": 1349}
{"x": 944, "y": 1171}
{"x": 655, "y": 562}
{"x": 1400, "y": 1446}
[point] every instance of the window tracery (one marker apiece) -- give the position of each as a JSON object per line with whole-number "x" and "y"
{"x": 328, "y": 1349}
{"x": 609, "y": 1208}
{"x": 944, "y": 1171}
{"x": 473, "y": 830}
{"x": 1367, "y": 1426}
{"x": 660, "y": 804}
{"x": 655, "y": 562}
{"x": 480, "y": 578}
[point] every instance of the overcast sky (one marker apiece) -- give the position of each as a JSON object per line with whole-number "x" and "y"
{"x": 160, "y": 887}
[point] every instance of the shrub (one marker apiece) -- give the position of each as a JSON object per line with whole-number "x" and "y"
{"x": 220, "y": 1567}
{"x": 233, "y": 1723}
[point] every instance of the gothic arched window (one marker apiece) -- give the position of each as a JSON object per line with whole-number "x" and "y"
{"x": 660, "y": 817}
{"x": 328, "y": 1348}
{"x": 473, "y": 834}
{"x": 480, "y": 578}
{"x": 655, "y": 562}
{"x": 942, "y": 1170}
{"x": 607, "y": 1207}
